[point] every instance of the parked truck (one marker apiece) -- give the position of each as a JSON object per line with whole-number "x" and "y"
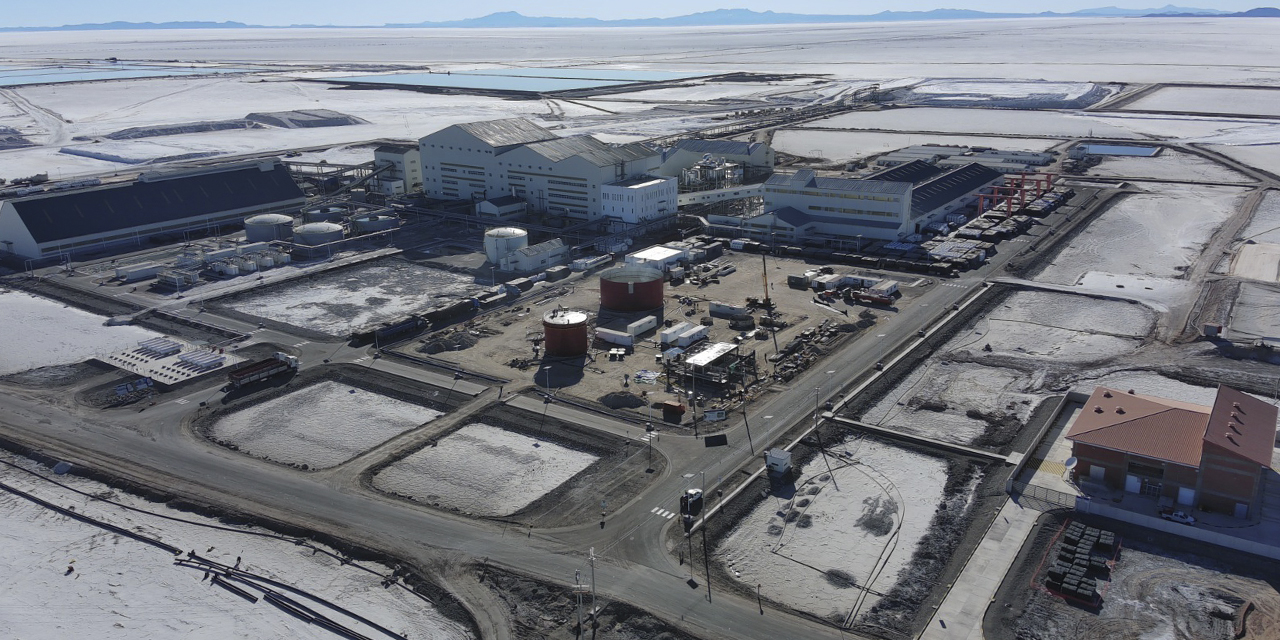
{"x": 262, "y": 369}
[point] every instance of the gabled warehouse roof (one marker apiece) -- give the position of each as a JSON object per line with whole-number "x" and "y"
{"x": 507, "y": 132}
{"x": 155, "y": 199}
{"x": 719, "y": 147}
{"x": 590, "y": 149}
{"x": 806, "y": 179}
{"x": 959, "y": 183}
{"x": 915, "y": 172}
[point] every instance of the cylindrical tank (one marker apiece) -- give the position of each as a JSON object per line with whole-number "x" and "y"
{"x": 374, "y": 223}
{"x": 268, "y": 227}
{"x": 566, "y": 333}
{"x": 325, "y": 214}
{"x": 502, "y": 241}
{"x": 317, "y": 233}
{"x": 631, "y": 288}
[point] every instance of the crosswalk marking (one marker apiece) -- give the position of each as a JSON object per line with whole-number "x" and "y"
{"x": 953, "y": 284}
{"x": 181, "y": 401}
{"x": 663, "y": 513}
{"x": 301, "y": 343}
{"x": 361, "y": 359}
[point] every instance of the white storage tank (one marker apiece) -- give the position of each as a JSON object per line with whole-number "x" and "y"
{"x": 268, "y": 227}
{"x": 325, "y": 214}
{"x": 374, "y": 223}
{"x": 501, "y": 242}
{"x": 317, "y": 233}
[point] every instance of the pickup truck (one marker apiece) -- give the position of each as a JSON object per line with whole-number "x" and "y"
{"x": 1180, "y": 517}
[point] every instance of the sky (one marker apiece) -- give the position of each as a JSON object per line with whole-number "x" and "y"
{"x": 27, "y": 13}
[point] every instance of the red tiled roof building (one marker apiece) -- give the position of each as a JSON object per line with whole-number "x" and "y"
{"x": 1207, "y": 457}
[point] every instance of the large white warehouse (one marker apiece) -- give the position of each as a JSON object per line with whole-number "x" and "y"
{"x": 482, "y": 160}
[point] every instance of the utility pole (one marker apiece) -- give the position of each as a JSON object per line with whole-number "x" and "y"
{"x": 817, "y": 433}
{"x": 748, "y": 426}
{"x": 577, "y": 591}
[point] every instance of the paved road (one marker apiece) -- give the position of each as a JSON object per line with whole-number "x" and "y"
{"x": 154, "y": 447}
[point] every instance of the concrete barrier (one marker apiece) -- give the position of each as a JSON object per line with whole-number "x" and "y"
{"x": 1086, "y": 505}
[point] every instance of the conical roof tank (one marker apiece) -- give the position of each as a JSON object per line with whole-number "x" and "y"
{"x": 565, "y": 332}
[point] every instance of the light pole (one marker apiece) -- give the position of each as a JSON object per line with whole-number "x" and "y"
{"x": 547, "y": 379}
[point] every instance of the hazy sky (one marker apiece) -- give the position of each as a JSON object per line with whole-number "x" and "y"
{"x": 19, "y": 13}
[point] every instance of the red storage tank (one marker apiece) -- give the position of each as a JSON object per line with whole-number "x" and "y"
{"x": 631, "y": 288}
{"x": 566, "y": 333}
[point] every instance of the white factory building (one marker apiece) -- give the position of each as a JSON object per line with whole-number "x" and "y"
{"x": 404, "y": 174}
{"x": 483, "y": 160}
{"x": 887, "y": 206}
{"x": 124, "y": 215}
{"x": 639, "y": 199}
{"x": 536, "y": 257}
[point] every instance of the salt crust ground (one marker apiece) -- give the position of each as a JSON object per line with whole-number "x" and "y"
{"x": 37, "y": 332}
{"x": 1260, "y": 102}
{"x": 483, "y": 470}
{"x": 1051, "y": 327}
{"x": 1169, "y": 165}
{"x": 790, "y": 565}
{"x": 1156, "y": 233}
{"x": 971, "y": 121}
{"x": 338, "y": 303}
{"x": 321, "y": 425}
{"x": 847, "y": 145}
{"x": 124, "y": 590}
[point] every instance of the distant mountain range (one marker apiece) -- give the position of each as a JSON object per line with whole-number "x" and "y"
{"x": 719, "y": 17}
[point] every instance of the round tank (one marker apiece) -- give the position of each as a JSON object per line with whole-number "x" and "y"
{"x": 374, "y": 223}
{"x": 268, "y": 227}
{"x": 631, "y": 288}
{"x": 566, "y": 333}
{"x": 324, "y": 214}
{"x": 317, "y": 233}
{"x": 502, "y": 241}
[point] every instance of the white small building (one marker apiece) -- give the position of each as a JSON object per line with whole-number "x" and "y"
{"x": 639, "y": 199}
{"x": 405, "y": 176}
{"x": 537, "y": 257}
{"x": 659, "y": 257}
{"x": 502, "y": 208}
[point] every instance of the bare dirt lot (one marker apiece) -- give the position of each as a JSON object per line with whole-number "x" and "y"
{"x": 1161, "y": 587}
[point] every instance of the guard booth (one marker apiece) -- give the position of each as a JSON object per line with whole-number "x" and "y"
{"x": 777, "y": 461}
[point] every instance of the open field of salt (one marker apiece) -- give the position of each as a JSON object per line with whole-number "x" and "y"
{"x": 1169, "y": 165}
{"x": 847, "y": 145}
{"x": 1261, "y": 102}
{"x": 863, "y": 522}
{"x": 339, "y": 302}
{"x": 121, "y": 589}
{"x": 319, "y": 426}
{"x": 1158, "y": 233}
{"x": 483, "y": 470}
{"x": 974, "y": 121}
{"x": 66, "y": 334}
{"x": 936, "y": 399}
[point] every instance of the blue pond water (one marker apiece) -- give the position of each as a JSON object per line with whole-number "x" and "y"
{"x": 1120, "y": 150}
{"x": 525, "y": 79}
{"x": 19, "y": 76}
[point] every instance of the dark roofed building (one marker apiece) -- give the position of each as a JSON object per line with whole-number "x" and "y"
{"x": 952, "y": 189}
{"x": 915, "y": 172}
{"x": 125, "y": 214}
{"x": 1213, "y": 457}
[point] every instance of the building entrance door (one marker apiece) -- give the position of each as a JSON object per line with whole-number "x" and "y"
{"x": 1132, "y": 484}
{"x": 1186, "y": 496}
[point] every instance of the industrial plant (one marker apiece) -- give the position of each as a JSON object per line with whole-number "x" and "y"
{"x": 642, "y": 350}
